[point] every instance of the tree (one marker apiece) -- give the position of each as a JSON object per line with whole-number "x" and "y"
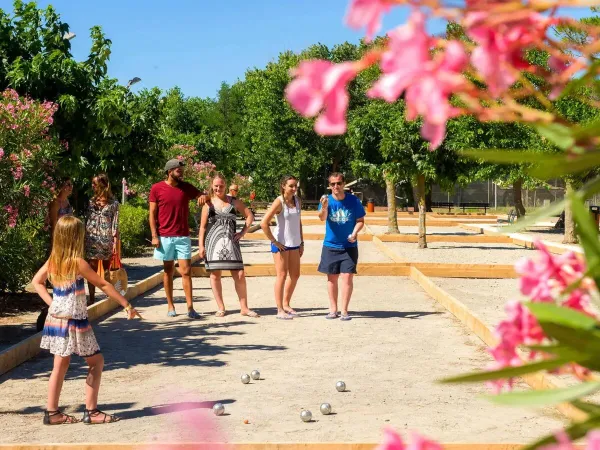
{"x": 97, "y": 118}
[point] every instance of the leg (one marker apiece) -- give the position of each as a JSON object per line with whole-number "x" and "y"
{"x": 185, "y": 269}
{"x": 169, "y": 269}
{"x": 92, "y": 388}
{"x": 217, "y": 288}
{"x": 239, "y": 279}
{"x": 347, "y": 288}
{"x": 332, "y": 290}
{"x": 91, "y": 288}
{"x": 57, "y": 377}
{"x": 92, "y": 381}
{"x": 281, "y": 267}
{"x": 294, "y": 275}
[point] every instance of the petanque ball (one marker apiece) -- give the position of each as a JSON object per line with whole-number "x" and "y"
{"x": 245, "y": 378}
{"x": 218, "y": 409}
{"x": 340, "y": 386}
{"x": 325, "y": 409}
{"x": 255, "y": 375}
{"x": 306, "y": 415}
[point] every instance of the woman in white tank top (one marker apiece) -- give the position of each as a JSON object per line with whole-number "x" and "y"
{"x": 287, "y": 244}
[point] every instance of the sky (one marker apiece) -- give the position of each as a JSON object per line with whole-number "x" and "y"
{"x": 197, "y": 45}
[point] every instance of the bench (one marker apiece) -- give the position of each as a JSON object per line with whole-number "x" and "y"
{"x": 474, "y": 205}
{"x": 448, "y": 205}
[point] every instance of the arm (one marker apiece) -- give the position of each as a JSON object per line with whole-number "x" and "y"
{"x": 301, "y": 230}
{"x": 39, "y": 283}
{"x": 244, "y": 211}
{"x": 115, "y": 225}
{"x": 323, "y": 208}
{"x": 360, "y": 223}
{"x": 153, "y": 220}
{"x": 265, "y": 224}
{"x": 202, "y": 232}
{"x": 86, "y": 271}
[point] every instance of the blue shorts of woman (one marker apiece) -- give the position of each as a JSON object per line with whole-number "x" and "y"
{"x": 274, "y": 249}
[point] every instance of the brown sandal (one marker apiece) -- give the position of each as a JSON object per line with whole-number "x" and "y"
{"x": 89, "y": 413}
{"x": 67, "y": 419}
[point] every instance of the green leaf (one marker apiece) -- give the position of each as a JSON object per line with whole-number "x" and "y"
{"x": 587, "y": 230}
{"x": 550, "y": 312}
{"x": 562, "y": 351}
{"x": 509, "y": 372}
{"x": 564, "y": 164}
{"x": 590, "y": 408}
{"x": 574, "y": 431}
{"x": 560, "y": 135}
{"x": 545, "y": 397}
{"x": 586, "y": 341}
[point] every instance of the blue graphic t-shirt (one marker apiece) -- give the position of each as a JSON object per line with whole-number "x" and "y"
{"x": 341, "y": 219}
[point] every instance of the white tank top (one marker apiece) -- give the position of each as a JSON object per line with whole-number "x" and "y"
{"x": 287, "y": 230}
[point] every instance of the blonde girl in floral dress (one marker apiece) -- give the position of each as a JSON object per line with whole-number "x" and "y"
{"x": 101, "y": 228}
{"x": 67, "y": 330}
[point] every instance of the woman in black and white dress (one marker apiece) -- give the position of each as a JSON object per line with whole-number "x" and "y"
{"x": 220, "y": 243}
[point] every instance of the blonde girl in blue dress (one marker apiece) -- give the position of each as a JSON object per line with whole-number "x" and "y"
{"x": 67, "y": 330}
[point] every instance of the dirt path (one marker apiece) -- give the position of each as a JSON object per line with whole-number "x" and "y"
{"x": 163, "y": 374}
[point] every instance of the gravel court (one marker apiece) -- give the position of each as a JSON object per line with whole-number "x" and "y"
{"x": 163, "y": 374}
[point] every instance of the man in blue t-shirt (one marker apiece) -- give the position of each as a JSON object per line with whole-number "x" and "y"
{"x": 344, "y": 216}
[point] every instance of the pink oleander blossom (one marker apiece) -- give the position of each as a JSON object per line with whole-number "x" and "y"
{"x": 17, "y": 172}
{"x": 26, "y": 190}
{"x": 1, "y": 152}
{"x": 320, "y": 87}
{"x": 393, "y": 441}
{"x": 499, "y": 54}
{"x": 13, "y": 214}
{"x": 367, "y": 13}
{"x": 429, "y": 82}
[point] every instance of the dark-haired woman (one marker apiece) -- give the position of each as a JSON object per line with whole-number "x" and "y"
{"x": 287, "y": 244}
{"x": 101, "y": 228}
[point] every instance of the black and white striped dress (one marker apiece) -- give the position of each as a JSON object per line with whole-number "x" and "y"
{"x": 222, "y": 252}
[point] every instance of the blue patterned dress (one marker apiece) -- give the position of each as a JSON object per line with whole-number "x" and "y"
{"x": 67, "y": 330}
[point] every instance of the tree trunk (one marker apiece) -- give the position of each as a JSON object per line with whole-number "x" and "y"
{"x": 428, "y": 195}
{"x": 518, "y": 199}
{"x": 335, "y": 166}
{"x": 390, "y": 190}
{"x": 569, "y": 237}
{"x": 422, "y": 212}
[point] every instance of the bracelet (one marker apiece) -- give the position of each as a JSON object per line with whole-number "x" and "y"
{"x": 302, "y": 244}
{"x": 128, "y": 307}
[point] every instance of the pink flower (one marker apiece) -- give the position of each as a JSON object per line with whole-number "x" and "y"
{"x": 13, "y": 157}
{"x": 563, "y": 442}
{"x": 13, "y": 213}
{"x": 367, "y": 13}
{"x": 320, "y": 87}
{"x": 391, "y": 441}
{"x": 17, "y": 172}
{"x": 26, "y": 190}
{"x": 1, "y": 152}
{"x": 407, "y": 65}
{"x": 499, "y": 54}
{"x": 27, "y": 153}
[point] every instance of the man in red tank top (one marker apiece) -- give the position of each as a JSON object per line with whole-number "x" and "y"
{"x": 169, "y": 214}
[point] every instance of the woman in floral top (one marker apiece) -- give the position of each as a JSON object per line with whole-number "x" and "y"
{"x": 101, "y": 227}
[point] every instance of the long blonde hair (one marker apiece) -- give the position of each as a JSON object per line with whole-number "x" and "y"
{"x": 67, "y": 248}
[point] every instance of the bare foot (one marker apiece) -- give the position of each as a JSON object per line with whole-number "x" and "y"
{"x": 249, "y": 313}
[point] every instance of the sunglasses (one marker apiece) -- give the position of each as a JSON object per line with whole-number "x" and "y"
{"x": 336, "y": 183}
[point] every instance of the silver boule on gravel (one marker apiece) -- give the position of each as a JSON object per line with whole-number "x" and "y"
{"x": 255, "y": 374}
{"x": 340, "y": 386}
{"x": 306, "y": 415}
{"x": 218, "y": 409}
{"x": 325, "y": 408}
{"x": 245, "y": 378}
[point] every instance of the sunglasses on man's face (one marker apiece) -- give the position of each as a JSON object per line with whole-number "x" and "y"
{"x": 336, "y": 183}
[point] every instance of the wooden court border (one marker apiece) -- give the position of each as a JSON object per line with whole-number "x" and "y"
{"x": 250, "y": 446}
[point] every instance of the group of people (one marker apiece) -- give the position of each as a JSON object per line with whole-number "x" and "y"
{"x": 78, "y": 249}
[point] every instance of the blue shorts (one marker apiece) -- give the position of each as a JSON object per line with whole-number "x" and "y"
{"x": 335, "y": 261}
{"x": 274, "y": 249}
{"x": 172, "y": 248}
